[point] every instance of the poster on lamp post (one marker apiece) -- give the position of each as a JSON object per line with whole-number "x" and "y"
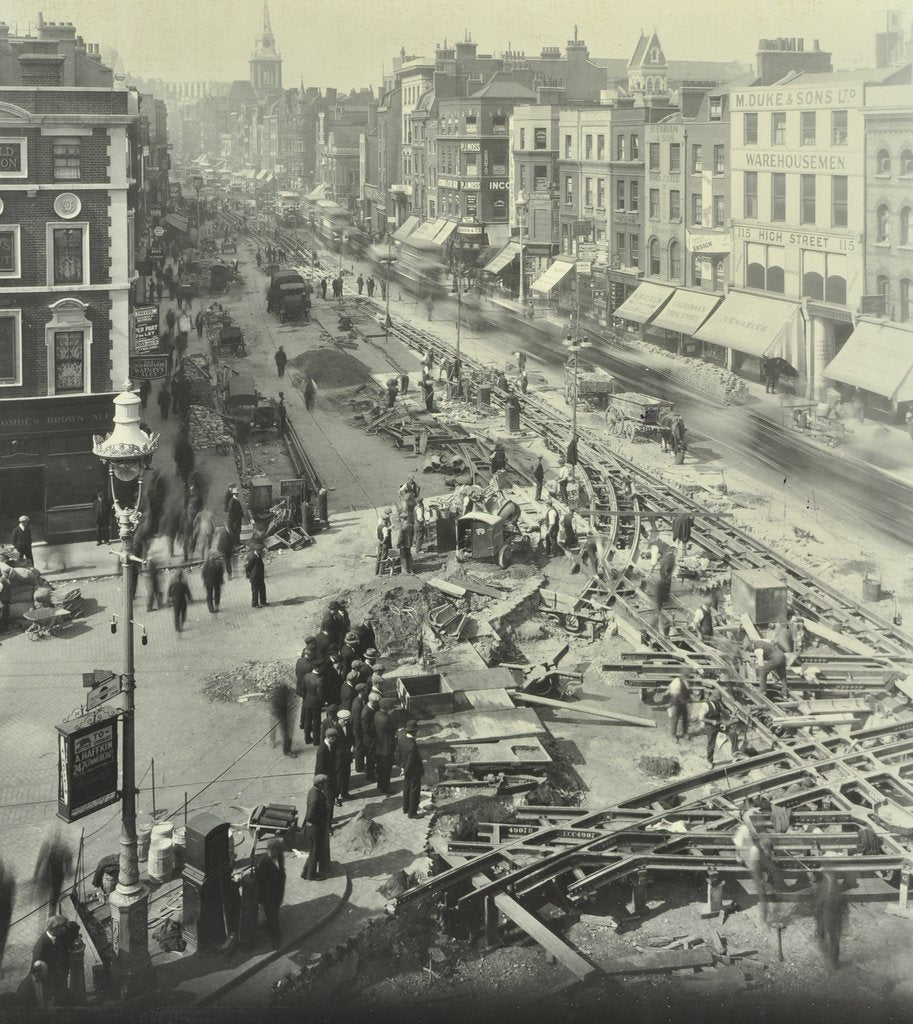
{"x": 145, "y": 329}
{"x": 86, "y": 767}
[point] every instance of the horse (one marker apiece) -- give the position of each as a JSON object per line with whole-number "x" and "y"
{"x": 671, "y": 431}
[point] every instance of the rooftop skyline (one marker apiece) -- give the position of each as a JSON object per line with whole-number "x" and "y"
{"x": 183, "y": 40}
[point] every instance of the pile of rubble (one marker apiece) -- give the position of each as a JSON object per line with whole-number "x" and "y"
{"x": 717, "y": 383}
{"x": 207, "y": 430}
{"x": 247, "y": 681}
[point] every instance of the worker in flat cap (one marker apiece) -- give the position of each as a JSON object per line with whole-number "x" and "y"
{"x": 22, "y": 539}
{"x": 345, "y": 741}
{"x": 317, "y": 831}
{"x": 384, "y": 538}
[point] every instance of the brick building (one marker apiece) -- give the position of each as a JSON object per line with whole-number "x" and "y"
{"x": 68, "y": 169}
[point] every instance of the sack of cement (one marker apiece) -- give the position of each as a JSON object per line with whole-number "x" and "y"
{"x": 66, "y": 597}
{"x": 42, "y": 597}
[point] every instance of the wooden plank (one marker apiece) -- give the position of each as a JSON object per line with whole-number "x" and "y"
{"x": 656, "y": 963}
{"x": 749, "y": 627}
{"x": 523, "y": 919}
{"x": 585, "y": 708}
{"x": 478, "y": 726}
{"x": 451, "y": 589}
{"x": 546, "y": 938}
{"x": 844, "y": 640}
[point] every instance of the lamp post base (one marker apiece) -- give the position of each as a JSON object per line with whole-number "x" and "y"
{"x": 132, "y": 971}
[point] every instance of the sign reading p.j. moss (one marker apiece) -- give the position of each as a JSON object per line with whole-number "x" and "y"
{"x": 86, "y": 767}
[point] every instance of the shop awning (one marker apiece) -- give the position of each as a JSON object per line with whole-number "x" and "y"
{"x": 503, "y": 259}
{"x": 552, "y": 276}
{"x": 643, "y": 302}
{"x": 269, "y": 177}
{"x": 444, "y": 231}
{"x": 318, "y": 193}
{"x": 406, "y": 228}
{"x": 261, "y": 175}
{"x": 498, "y": 234}
{"x": 757, "y": 326}
{"x": 686, "y": 311}
{"x": 425, "y": 231}
{"x": 177, "y": 221}
{"x": 878, "y": 358}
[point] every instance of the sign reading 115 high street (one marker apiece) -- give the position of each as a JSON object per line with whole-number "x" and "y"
{"x": 86, "y": 767}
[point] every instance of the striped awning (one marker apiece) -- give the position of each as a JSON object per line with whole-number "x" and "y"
{"x": 552, "y": 276}
{"x": 503, "y": 259}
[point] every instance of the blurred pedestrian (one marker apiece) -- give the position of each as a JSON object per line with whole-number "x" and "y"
{"x": 679, "y": 694}
{"x": 405, "y": 540}
{"x": 831, "y": 911}
{"x": 371, "y": 284}
{"x": 184, "y": 457}
{"x": 179, "y": 597}
{"x": 280, "y": 705}
{"x": 360, "y": 281}
{"x": 255, "y": 571}
{"x": 213, "y": 573}
{"x": 281, "y": 360}
{"x": 203, "y": 529}
{"x": 539, "y": 477}
{"x": 199, "y": 324}
{"x": 225, "y": 545}
{"x": 310, "y": 393}
{"x": 164, "y": 400}
{"x": 270, "y": 876}
{"x": 6, "y": 597}
{"x": 345, "y": 741}
{"x": 34, "y": 991}
{"x": 153, "y": 574}
{"x": 383, "y": 289}
{"x": 384, "y": 745}
{"x": 145, "y": 389}
{"x": 55, "y": 861}
{"x": 7, "y": 901}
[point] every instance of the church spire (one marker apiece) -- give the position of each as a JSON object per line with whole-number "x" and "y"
{"x": 267, "y": 28}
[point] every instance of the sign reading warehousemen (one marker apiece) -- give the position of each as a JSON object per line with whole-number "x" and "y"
{"x": 86, "y": 767}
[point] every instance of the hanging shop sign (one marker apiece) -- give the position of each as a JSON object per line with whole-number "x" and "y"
{"x": 150, "y": 367}
{"x": 145, "y": 329}
{"x": 86, "y": 767}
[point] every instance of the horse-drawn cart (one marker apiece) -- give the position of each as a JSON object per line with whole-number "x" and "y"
{"x": 631, "y": 414}
{"x": 593, "y": 384}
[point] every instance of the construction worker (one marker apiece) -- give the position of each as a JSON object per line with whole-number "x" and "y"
{"x": 539, "y": 477}
{"x": 384, "y": 538}
{"x": 552, "y": 522}
{"x": 702, "y": 620}
{"x": 679, "y": 694}
{"x": 565, "y": 475}
{"x": 711, "y": 717}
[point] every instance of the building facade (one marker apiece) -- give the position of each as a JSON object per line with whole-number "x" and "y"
{"x": 69, "y": 169}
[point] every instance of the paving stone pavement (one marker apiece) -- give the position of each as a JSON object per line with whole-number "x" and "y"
{"x": 219, "y": 753}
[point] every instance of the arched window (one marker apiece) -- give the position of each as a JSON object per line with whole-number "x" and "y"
{"x": 882, "y": 219}
{"x": 906, "y": 163}
{"x": 654, "y": 255}
{"x": 776, "y": 280}
{"x": 906, "y": 296}
{"x": 905, "y": 214}
{"x": 883, "y": 287}
{"x": 675, "y": 261}
{"x": 883, "y": 162}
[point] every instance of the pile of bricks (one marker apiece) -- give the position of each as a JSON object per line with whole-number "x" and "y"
{"x": 207, "y": 430}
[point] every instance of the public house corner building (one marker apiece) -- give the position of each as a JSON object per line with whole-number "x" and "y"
{"x": 66, "y": 268}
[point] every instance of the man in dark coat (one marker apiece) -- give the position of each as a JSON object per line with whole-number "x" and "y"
{"x": 344, "y": 742}
{"x": 183, "y": 457}
{"x": 22, "y": 539}
{"x": 368, "y": 737}
{"x": 213, "y": 573}
{"x": 498, "y": 459}
{"x": 332, "y": 679}
{"x": 304, "y": 664}
{"x": 333, "y": 625}
{"x": 101, "y": 513}
{"x": 235, "y": 514}
{"x": 255, "y": 571}
{"x": 163, "y": 398}
{"x": 366, "y": 635}
{"x": 317, "y": 831}
{"x": 323, "y": 642}
{"x": 325, "y": 764}
{"x": 281, "y": 359}
{"x": 6, "y": 598}
{"x": 347, "y": 691}
{"x": 384, "y": 746}
{"x": 179, "y": 597}
{"x": 410, "y": 760}
{"x": 225, "y": 546}
{"x": 311, "y": 703}
{"x": 270, "y": 876}
{"x": 52, "y": 949}
{"x": 358, "y": 706}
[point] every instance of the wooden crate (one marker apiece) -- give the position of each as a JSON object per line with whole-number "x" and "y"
{"x": 760, "y": 595}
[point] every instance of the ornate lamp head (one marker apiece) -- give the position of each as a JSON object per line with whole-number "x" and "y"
{"x": 128, "y": 449}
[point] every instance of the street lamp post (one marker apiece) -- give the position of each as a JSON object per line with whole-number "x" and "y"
{"x": 197, "y": 185}
{"x": 342, "y": 242}
{"x": 574, "y": 344}
{"x": 388, "y": 261}
{"x": 522, "y": 205}
{"x": 127, "y": 451}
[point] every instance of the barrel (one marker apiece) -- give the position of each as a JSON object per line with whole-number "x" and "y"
{"x": 143, "y": 836}
{"x": 871, "y": 588}
{"x": 161, "y": 852}
{"x": 484, "y": 397}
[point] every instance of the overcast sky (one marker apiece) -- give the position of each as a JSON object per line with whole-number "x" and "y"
{"x": 347, "y": 44}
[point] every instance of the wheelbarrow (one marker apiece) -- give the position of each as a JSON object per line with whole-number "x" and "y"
{"x": 46, "y": 622}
